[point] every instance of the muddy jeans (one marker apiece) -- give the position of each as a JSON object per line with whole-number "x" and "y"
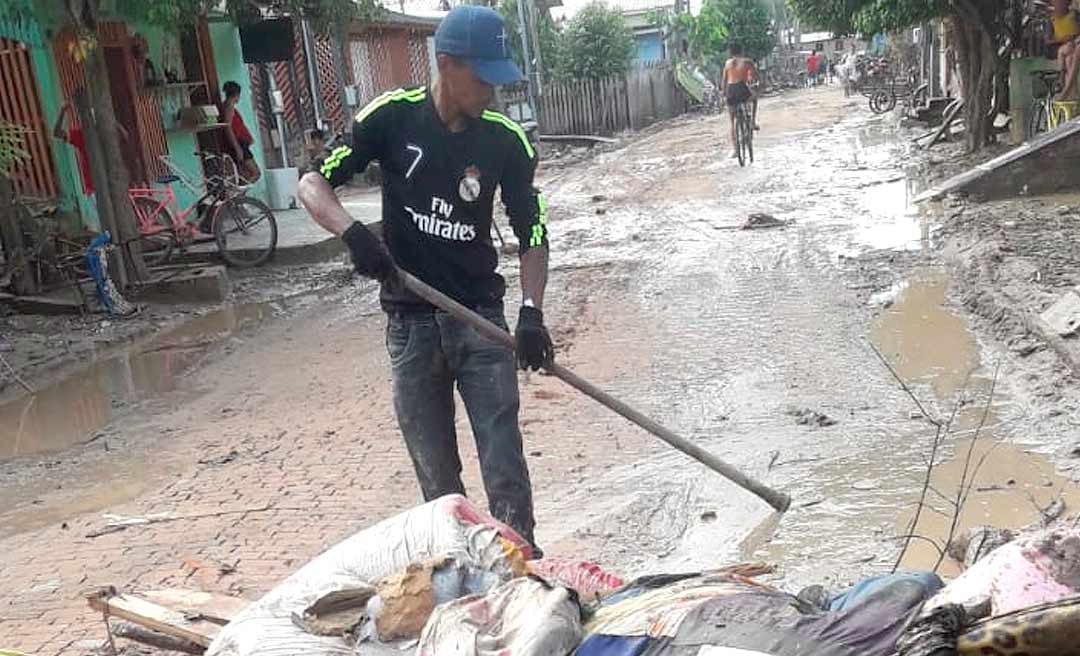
{"x": 429, "y": 353}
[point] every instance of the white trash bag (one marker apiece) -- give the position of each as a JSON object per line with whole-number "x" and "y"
{"x": 449, "y": 526}
{"x": 522, "y": 617}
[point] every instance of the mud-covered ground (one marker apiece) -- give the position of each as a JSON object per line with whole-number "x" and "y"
{"x": 267, "y": 429}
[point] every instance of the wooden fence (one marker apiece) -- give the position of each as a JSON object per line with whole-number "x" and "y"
{"x": 603, "y": 107}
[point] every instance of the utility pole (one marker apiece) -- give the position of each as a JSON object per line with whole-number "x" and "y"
{"x": 313, "y": 78}
{"x": 538, "y": 61}
{"x": 523, "y": 31}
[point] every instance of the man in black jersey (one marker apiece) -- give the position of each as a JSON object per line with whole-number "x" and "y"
{"x": 442, "y": 155}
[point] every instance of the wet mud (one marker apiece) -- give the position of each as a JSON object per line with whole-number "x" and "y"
{"x": 718, "y": 333}
{"x": 68, "y": 412}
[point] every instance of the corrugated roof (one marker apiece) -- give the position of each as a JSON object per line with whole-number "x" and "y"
{"x": 427, "y": 19}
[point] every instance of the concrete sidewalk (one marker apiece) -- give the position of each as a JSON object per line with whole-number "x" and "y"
{"x": 300, "y": 239}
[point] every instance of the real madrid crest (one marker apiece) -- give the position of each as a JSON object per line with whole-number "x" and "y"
{"x": 469, "y": 187}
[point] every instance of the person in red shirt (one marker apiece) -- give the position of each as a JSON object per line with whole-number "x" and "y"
{"x": 237, "y": 135}
{"x": 812, "y": 68}
{"x": 73, "y": 136}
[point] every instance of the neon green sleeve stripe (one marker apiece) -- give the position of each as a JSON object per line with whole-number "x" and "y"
{"x": 337, "y": 156}
{"x": 541, "y": 203}
{"x": 496, "y": 117}
{"x": 397, "y": 95}
{"x": 539, "y": 229}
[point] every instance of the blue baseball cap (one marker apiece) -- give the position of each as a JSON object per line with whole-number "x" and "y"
{"x": 478, "y": 35}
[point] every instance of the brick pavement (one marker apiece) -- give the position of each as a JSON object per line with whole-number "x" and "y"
{"x": 307, "y": 409}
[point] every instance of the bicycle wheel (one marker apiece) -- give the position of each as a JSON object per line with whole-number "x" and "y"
{"x": 879, "y": 102}
{"x": 1038, "y": 122}
{"x": 245, "y": 230}
{"x": 739, "y": 152}
{"x": 748, "y": 137}
{"x": 159, "y": 238}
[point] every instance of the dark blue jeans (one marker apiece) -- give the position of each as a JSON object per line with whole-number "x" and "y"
{"x": 429, "y": 354}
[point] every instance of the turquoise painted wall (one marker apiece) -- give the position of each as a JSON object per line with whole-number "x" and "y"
{"x": 225, "y": 39}
{"x": 69, "y": 181}
{"x": 183, "y": 144}
{"x": 230, "y": 66}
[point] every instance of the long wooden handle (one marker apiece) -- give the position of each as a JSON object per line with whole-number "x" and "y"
{"x": 774, "y": 498}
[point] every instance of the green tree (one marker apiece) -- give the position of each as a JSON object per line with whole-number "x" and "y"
{"x": 719, "y": 24}
{"x": 547, "y": 33}
{"x": 980, "y": 29}
{"x": 11, "y": 153}
{"x": 595, "y": 44}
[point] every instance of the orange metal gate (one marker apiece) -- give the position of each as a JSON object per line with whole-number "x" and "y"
{"x": 20, "y": 104}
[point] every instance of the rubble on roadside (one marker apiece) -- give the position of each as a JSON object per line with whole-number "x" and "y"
{"x": 444, "y": 579}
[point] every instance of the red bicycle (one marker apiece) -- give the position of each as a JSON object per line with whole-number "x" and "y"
{"x": 244, "y": 228}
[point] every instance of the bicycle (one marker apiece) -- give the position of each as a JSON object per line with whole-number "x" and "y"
{"x": 744, "y": 133}
{"x": 244, "y": 228}
{"x": 43, "y": 259}
{"x": 1046, "y": 112}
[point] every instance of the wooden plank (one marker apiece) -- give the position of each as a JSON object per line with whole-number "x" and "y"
{"x": 568, "y": 102}
{"x": 217, "y": 608}
{"x": 572, "y": 107}
{"x": 588, "y": 108}
{"x": 950, "y": 116}
{"x": 153, "y": 616}
{"x": 622, "y": 90}
{"x": 130, "y": 631}
{"x": 568, "y": 106}
{"x": 556, "y": 109}
{"x": 580, "y": 124}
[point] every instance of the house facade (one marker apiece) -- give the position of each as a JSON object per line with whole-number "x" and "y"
{"x": 327, "y": 81}
{"x": 153, "y": 75}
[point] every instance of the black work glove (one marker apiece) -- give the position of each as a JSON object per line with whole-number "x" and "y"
{"x": 532, "y": 341}
{"x": 369, "y": 256}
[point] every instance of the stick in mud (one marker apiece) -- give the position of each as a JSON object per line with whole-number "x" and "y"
{"x": 941, "y": 429}
{"x": 15, "y": 375}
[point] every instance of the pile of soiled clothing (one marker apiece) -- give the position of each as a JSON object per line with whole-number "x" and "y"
{"x": 444, "y": 579}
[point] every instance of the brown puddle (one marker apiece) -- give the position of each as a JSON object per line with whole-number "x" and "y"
{"x": 927, "y": 343}
{"x": 1004, "y": 493}
{"x": 68, "y": 412}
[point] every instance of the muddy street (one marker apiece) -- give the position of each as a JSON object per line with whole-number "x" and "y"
{"x": 267, "y": 434}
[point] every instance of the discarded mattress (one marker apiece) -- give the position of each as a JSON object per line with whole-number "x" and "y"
{"x": 1037, "y": 568}
{"x": 523, "y": 617}
{"x": 449, "y": 527}
{"x": 720, "y": 614}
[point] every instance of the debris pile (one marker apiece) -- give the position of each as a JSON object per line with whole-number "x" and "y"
{"x": 443, "y": 579}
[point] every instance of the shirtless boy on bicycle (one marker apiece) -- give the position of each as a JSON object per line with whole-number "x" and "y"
{"x": 739, "y": 74}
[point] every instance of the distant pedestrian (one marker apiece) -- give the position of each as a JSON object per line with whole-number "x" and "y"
{"x": 238, "y": 136}
{"x": 68, "y": 130}
{"x": 812, "y": 68}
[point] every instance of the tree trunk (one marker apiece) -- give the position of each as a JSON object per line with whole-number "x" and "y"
{"x": 118, "y": 178}
{"x": 976, "y": 55}
{"x": 11, "y": 238}
{"x": 96, "y": 159}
